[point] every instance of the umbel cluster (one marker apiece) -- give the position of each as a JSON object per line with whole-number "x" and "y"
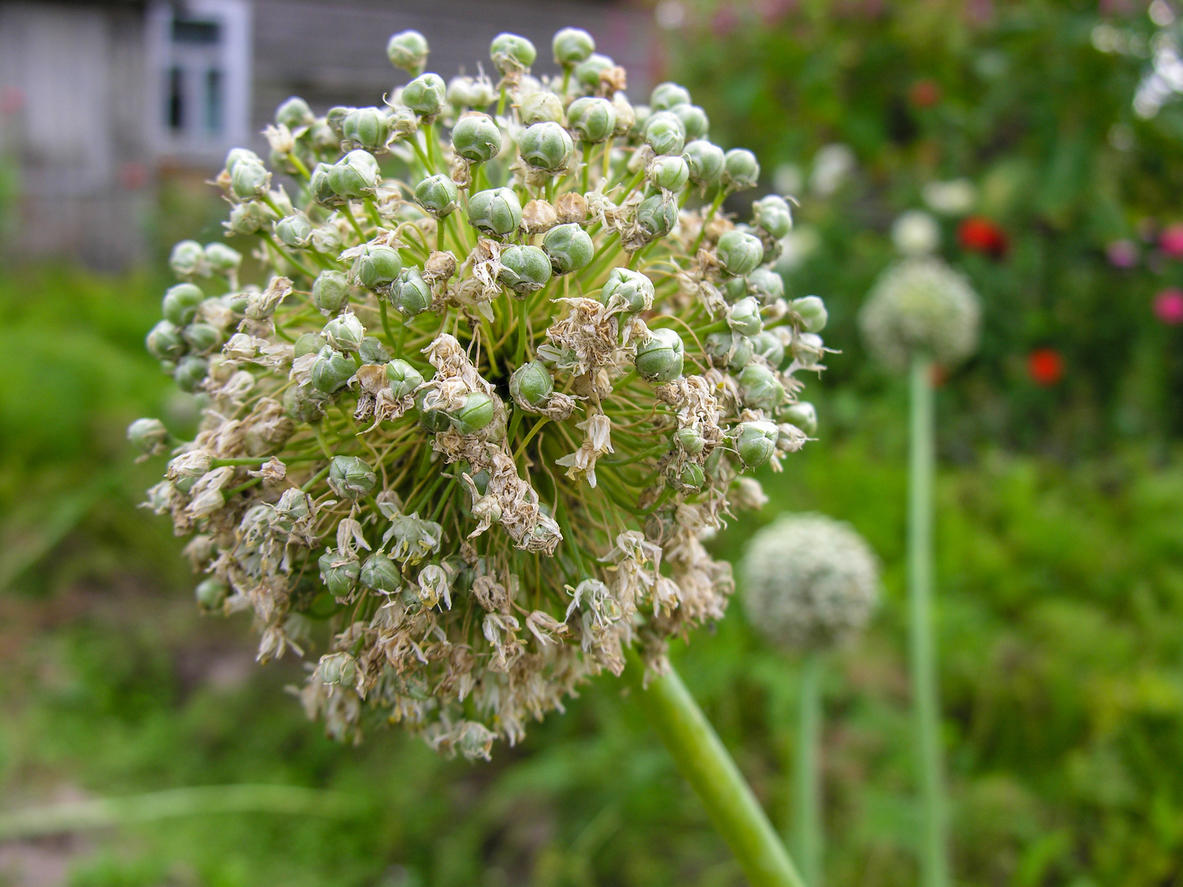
{"x": 505, "y": 361}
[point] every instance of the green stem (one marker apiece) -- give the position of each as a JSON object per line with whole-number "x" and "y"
{"x": 705, "y": 764}
{"x": 925, "y": 702}
{"x": 807, "y": 819}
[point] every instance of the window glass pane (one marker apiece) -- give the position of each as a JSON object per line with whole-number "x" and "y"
{"x": 194, "y": 31}
{"x": 213, "y": 101}
{"x": 174, "y": 98}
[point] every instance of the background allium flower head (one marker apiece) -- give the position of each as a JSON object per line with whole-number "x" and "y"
{"x": 505, "y": 364}
{"x": 920, "y": 306}
{"x": 915, "y": 233}
{"x": 809, "y": 582}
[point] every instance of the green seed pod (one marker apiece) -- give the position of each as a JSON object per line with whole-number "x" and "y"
{"x": 187, "y": 259}
{"x": 769, "y": 346}
{"x": 495, "y": 211}
{"x": 669, "y": 172}
{"x": 431, "y": 419}
{"x": 294, "y": 231}
{"x": 469, "y": 92}
{"x": 592, "y": 119}
{"x": 664, "y": 133}
{"x": 812, "y": 312}
{"x": 667, "y": 95}
{"x": 339, "y": 573}
{"x": 201, "y": 337}
{"x": 190, "y": 373}
{"x": 729, "y": 350}
{"x": 740, "y": 169}
{"x": 308, "y": 343}
{"x": 372, "y": 350}
{"x": 221, "y": 258}
{"x": 541, "y": 107}
{"x": 803, "y": 415}
{"x": 354, "y": 175}
{"x": 149, "y": 436}
{"x": 632, "y": 288}
{"x": 478, "y": 411}
{"x": 756, "y": 442}
{"x": 367, "y": 128}
{"x": 589, "y": 70}
{"x": 569, "y": 247}
{"x": 249, "y": 179}
{"x": 407, "y": 50}
{"x": 410, "y": 294}
{"x": 344, "y": 333}
{"x": 766, "y": 285}
{"x": 531, "y": 384}
{"x": 690, "y": 440}
{"x": 330, "y": 291}
{"x": 476, "y": 137}
{"x": 772, "y": 214}
{"x": 164, "y": 341}
{"x": 377, "y": 266}
{"x": 426, "y": 94}
{"x": 211, "y": 594}
{"x": 705, "y": 163}
{"x": 512, "y": 52}
{"x": 331, "y": 370}
{"x": 572, "y": 46}
{"x": 660, "y": 357}
{"x": 546, "y": 146}
{"x": 181, "y": 302}
{"x": 657, "y": 215}
{"x": 744, "y": 317}
{"x": 524, "y": 269}
{"x": 404, "y": 378}
{"x": 381, "y": 574}
{"x": 351, "y": 477}
{"x": 294, "y": 113}
{"x": 739, "y": 252}
{"x": 694, "y": 120}
{"x": 759, "y": 387}
{"x": 437, "y": 194}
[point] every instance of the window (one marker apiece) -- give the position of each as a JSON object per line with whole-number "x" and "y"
{"x": 198, "y": 56}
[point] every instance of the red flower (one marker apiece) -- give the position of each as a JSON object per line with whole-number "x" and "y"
{"x": 980, "y": 235}
{"x": 924, "y": 93}
{"x": 1045, "y": 366}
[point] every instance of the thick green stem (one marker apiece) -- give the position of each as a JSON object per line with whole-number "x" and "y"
{"x": 807, "y": 820}
{"x": 705, "y": 764}
{"x": 925, "y": 700}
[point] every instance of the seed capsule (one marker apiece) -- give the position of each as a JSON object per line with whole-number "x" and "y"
{"x": 351, "y": 477}
{"x": 524, "y": 269}
{"x": 476, "y": 137}
{"x": 495, "y": 211}
{"x": 437, "y": 194}
{"x": 739, "y": 252}
{"x": 660, "y": 357}
{"x": 569, "y": 248}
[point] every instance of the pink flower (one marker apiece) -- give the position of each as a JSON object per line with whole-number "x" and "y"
{"x": 1122, "y": 253}
{"x": 1171, "y": 241}
{"x": 1168, "y": 306}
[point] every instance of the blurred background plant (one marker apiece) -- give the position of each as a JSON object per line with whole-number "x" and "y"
{"x": 1060, "y": 562}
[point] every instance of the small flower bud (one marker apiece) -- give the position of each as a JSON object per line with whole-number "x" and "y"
{"x": 705, "y": 163}
{"x": 694, "y": 120}
{"x": 407, "y": 50}
{"x": 201, "y": 337}
{"x": 569, "y": 247}
{"x": 249, "y": 179}
{"x": 669, "y": 172}
{"x": 410, "y": 294}
{"x": 164, "y": 341}
{"x": 769, "y": 346}
{"x": 744, "y": 317}
{"x": 478, "y": 411}
{"x": 524, "y": 269}
{"x": 760, "y": 388}
{"x": 476, "y": 137}
{"x": 149, "y": 436}
{"x": 495, "y": 211}
{"x": 739, "y": 252}
{"x": 339, "y": 573}
{"x": 187, "y": 259}
{"x": 588, "y": 71}
{"x": 354, "y": 175}
{"x": 812, "y": 312}
{"x": 381, "y": 574}
{"x": 344, "y": 333}
{"x": 667, "y": 95}
{"x": 426, "y": 94}
{"x": 572, "y": 46}
{"x": 294, "y": 231}
{"x": 803, "y": 415}
{"x": 294, "y": 113}
{"x": 531, "y": 384}
{"x": 512, "y": 52}
{"x": 740, "y": 169}
{"x": 756, "y": 442}
{"x": 367, "y": 128}
{"x": 546, "y": 146}
{"x": 632, "y": 288}
{"x": 330, "y": 291}
{"x": 191, "y": 372}
{"x": 592, "y": 119}
{"x": 766, "y": 285}
{"x": 211, "y": 594}
{"x": 377, "y": 266}
{"x": 404, "y": 378}
{"x": 541, "y": 107}
{"x": 657, "y": 215}
{"x": 351, "y": 477}
{"x": 664, "y": 133}
{"x": 181, "y": 302}
{"x": 690, "y": 440}
{"x": 772, "y": 214}
{"x": 659, "y": 358}
{"x": 331, "y": 370}
{"x": 437, "y": 194}
{"x": 221, "y": 258}
{"x": 337, "y": 670}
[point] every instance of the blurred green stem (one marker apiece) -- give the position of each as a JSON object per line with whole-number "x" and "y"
{"x": 807, "y": 825}
{"x": 925, "y": 701}
{"x": 705, "y": 764}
